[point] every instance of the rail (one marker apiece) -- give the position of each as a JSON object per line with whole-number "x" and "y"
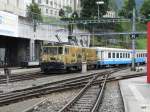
{"x": 73, "y": 83}
{"x": 76, "y": 103}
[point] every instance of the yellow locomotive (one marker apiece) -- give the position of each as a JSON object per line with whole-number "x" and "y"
{"x": 66, "y": 57}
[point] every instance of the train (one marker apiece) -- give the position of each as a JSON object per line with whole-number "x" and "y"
{"x": 69, "y": 57}
{"x": 116, "y": 56}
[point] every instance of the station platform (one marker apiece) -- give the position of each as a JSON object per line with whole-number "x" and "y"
{"x": 19, "y": 70}
{"x": 136, "y": 94}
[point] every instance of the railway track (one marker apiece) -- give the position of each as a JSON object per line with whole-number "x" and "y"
{"x": 89, "y": 98}
{"x": 11, "y": 97}
{"x": 38, "y": 91}
{"x": 22, "y": 77}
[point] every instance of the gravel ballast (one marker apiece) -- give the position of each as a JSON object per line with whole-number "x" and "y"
{"x": 112, "y": 99}
{"x": 54, "y": 102}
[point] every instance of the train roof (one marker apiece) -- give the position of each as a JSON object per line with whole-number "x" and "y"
{"x": 106, "y": 48}
{"x": 65, "y": 45}
{"x": 98, "y": 48}
{"x": 118, "y": 49}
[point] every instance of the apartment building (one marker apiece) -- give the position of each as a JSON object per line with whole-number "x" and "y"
{"x": 52, "y": 7}
{"x": 48, "y": 7}
{"x": 110, "y": 14}
{"x": 17, "y": 7}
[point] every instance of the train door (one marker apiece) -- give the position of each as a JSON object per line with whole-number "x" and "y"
{"x": 66, "y": 54}
{"x": 102, "y": 55}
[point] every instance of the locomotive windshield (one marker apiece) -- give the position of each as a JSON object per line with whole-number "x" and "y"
{"x": 53, "y": 50}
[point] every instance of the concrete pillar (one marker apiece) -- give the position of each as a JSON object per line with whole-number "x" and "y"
{"x": 32, "y": 50}
{"x": 84, "y": 67}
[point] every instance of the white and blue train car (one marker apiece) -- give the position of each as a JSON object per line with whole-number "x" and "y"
{"x": 141, "y": 56}
{"x": 116, "y": 56}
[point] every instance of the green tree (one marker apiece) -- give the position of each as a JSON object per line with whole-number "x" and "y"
{"x": 145, "y": 9}
{"x": 75, "y": 15}
{"x": 90, "y": 9}
{"x": 127, "y": 9}
{"x": 61, "y": 13}
{"x": 68, "y": 11}
{"x": 34, "y": 14}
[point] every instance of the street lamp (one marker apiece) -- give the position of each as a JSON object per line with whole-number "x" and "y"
{"x": 99, "y": 3}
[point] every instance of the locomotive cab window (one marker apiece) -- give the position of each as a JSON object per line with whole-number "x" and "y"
{"x": 66, "y": 50}
{"x": 53, "y": 50}
{"x": 60, "y": 50}
{"x": 45, "y": 50}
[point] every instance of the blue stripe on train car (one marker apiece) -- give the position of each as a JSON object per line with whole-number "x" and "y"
{"x": 140, "y": 60}
{"x": 114, "y": 61}
{"x": 119, "y": 61}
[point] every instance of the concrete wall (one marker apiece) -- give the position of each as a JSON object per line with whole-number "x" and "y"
{"x": 43, "y": 32}
{"x": 17, "y": 7}
{"x": 49, "y": 32}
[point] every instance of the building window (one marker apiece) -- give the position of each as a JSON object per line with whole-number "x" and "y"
{"x": 33, "y": 1}
{"x": 39, "y": 1}
{"x": 17, "y": 3}
{"x": 46, "y": 1}
{"x": 51, "y": 11}
{"x": 7, "y": 1}
{"x": 55, "y": 12}
{"x": 51, "y": 3}
{"x": 55, "y": 4}
{"x": 46, "y": 10}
